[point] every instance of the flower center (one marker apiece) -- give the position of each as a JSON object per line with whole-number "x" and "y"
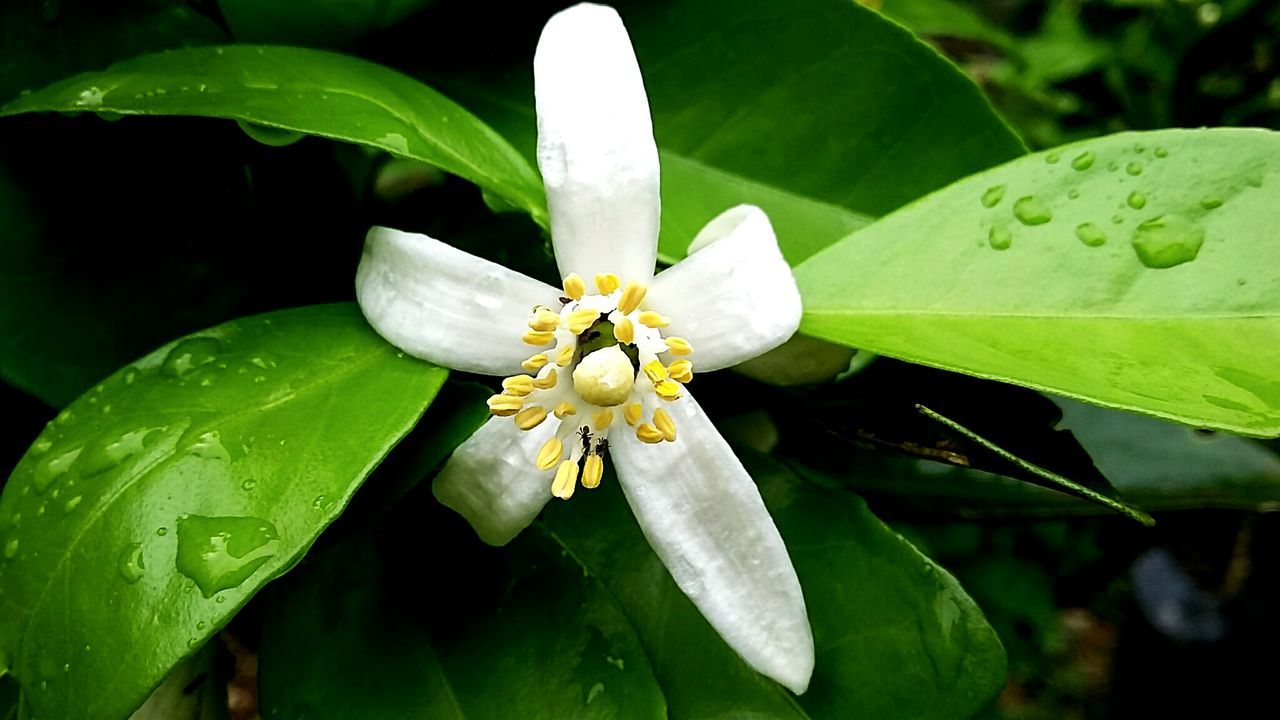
{"x": 621, "y": 365}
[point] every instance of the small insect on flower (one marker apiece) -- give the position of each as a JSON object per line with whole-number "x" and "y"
{"x": 607, "y": 373}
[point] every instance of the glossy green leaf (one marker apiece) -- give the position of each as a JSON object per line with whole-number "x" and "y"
{"x": 315, "y": 23}
{"x": 895, "y": 635}
{"x": 307, "y": 91}
{"x": 820, "y": 111}
{"x": 373, "y": 629}
{"x": 154, "y": 506}
{"x": 1133, "y": 271}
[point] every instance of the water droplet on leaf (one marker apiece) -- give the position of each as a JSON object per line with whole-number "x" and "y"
{"x": 1133, "y": 168}
{"x": 220, "y": 553}
{"x": 11, "y": 549}
{"x": 1052, "y": 158}
{"x": 1030, "y": 211}
{"x": 999, "y": 237}
{"x": 993, "y": 196}
{"x": 1211, "y": 203}
{"x": 1090, "y": 234}
{"x": 131, "y": 565}
{"x": 1083, "y": 161}
{"x": 1162, "y": 153}
{"x": 1136, "y": 200}
{"x": 51, "y": 468}
{"x": 191, "y": 354}
{"x": 209, "y": 446}
{"x": 1167, "y": 241}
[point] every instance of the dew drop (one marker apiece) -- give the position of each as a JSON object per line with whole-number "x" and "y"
{"x": 1031, "y": 211}
{"x": 1210, "y": 203}
{"x": 1139, "y": 147}
{"x": 1083, "y": 161}
{"x": 40, "y": 447}
{"x": 1116, "y": 219}
{"x": 999, "y": 237}
{"x": 109, "y": 449}
{"x": 993, "y": 196}
{"x": 1136, "y": 200}
{"x": 1073, "y": 193}
{"x": 322, "y": 502}
{"x": 269, "y": 136}
{"x": 220, "y": 553}
{"x": 131, "y": 565}
{"x": 190, "y": 354}
{"x": 1167, "y": 241}
{"x": 1133, "y": 168}
{"x": 1052, "y": 158}
{"x": 11, "y": 548}
{"x": 51, "y": 468}
{"x": 209, "y": 446}
{"x": 1162, "y": 153}
{"x": 248, "y": 484}
{"x": 72, "y": 504}
{"x": 1113, "y": 166}
{"x": 162, "y": 531}
{"x": 1090, "y": 234}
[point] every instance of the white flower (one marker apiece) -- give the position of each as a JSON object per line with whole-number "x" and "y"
{"x": 614, "y": 349}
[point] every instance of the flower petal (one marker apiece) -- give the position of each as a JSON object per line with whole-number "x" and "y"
{"x": 441, "y": 304}
{"x": 704, "y": 517}
{"x": 735, "y": 297}
{"x": 492, "y": 482}
{"x": 596, "y": 150}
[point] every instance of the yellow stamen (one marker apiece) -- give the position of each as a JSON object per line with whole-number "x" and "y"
{"x": 602, "y": 419}
{"x": 656, "y": 372}
{"x": 505, "y": 405}
{"x": 565, "y": 408}
{"x": 631, "y": 297}
{"x": 605, "y": 284}
{"x": 544, "y": 319}
{"x": 580, "y": 320}
{"x": 649, "y": 318}
{"x": 565, "y": 481}
{"x": 667, "y": 389}
{"x": 518, "y": 385}
{"x": 535, "y": 337}
{"x": 592, "y": 469}
{"x": 546, "y": 382}
{"x": 535, "y": 363}
{"x": 530, "y": 417}
{"x": 632, "y": 413}
{"x": 565, "y": 356}
{"x": 625, "y": 332}
{"x": 649, "y": 434}
{"x": 550, "y": 454}
{"x": 681, "y": 371}
{"x": 574, "y": 287}
{"x": 665, "y": 424}
{"x": 678, "y": 346}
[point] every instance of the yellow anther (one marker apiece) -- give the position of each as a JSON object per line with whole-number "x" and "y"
{"x": 565, "y": 356}
{"x": 632, "y": 413}
{"x": 580, "y": 320}
{"x": 592, "y": 469}
{"x": 530, "y": 417}
{"x": 566, "y": 480}
{"x": 665, "y": 424}
{"x": 649, "y": 434}
{"x": 667, "y": 389}
{"x": 681, "y": 371}
{"x": 505, "y": 405}
{"x": 547, "y": 381}
{"x": 544, "y": 319}
{"x": 631, "y": 297}
{"x": 605, "y": 284}
{"x": 574, "y": 287}
{"x": 518, "y": 385}
{"x": 550, "y": 454}
{"x": 655, "y": 370}
{"x": 535, "y": 337}
{"x": 535, "y": 363}
{"x": 678, "y": 346}
{"x": 565, "y": 408}
{"x": 602, "y": 419}
{"x": 649, "y": 318}
{"x": 625, "y": 332}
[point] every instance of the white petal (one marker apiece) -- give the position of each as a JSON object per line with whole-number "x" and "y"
{"x": 596, "y": 150}
{"x": 703, "y": 515}
{"x": 734, "y": 298}
{"x": 441, "y": 304}
{"x": 492, "y": 482}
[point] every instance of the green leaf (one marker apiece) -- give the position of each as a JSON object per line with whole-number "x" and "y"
{"x": 948, "y": 18}
{"x": 520, "y": 633}
{"x": 895, "y": 635}
{"x": 315, "y": 23}
{"x": 820, "y": 111}
{"x": 151, "y": 509}
{"x": 1047, "y": 478}
{"x": 1136, "y": 275}
{"x": 307, "y": 91}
